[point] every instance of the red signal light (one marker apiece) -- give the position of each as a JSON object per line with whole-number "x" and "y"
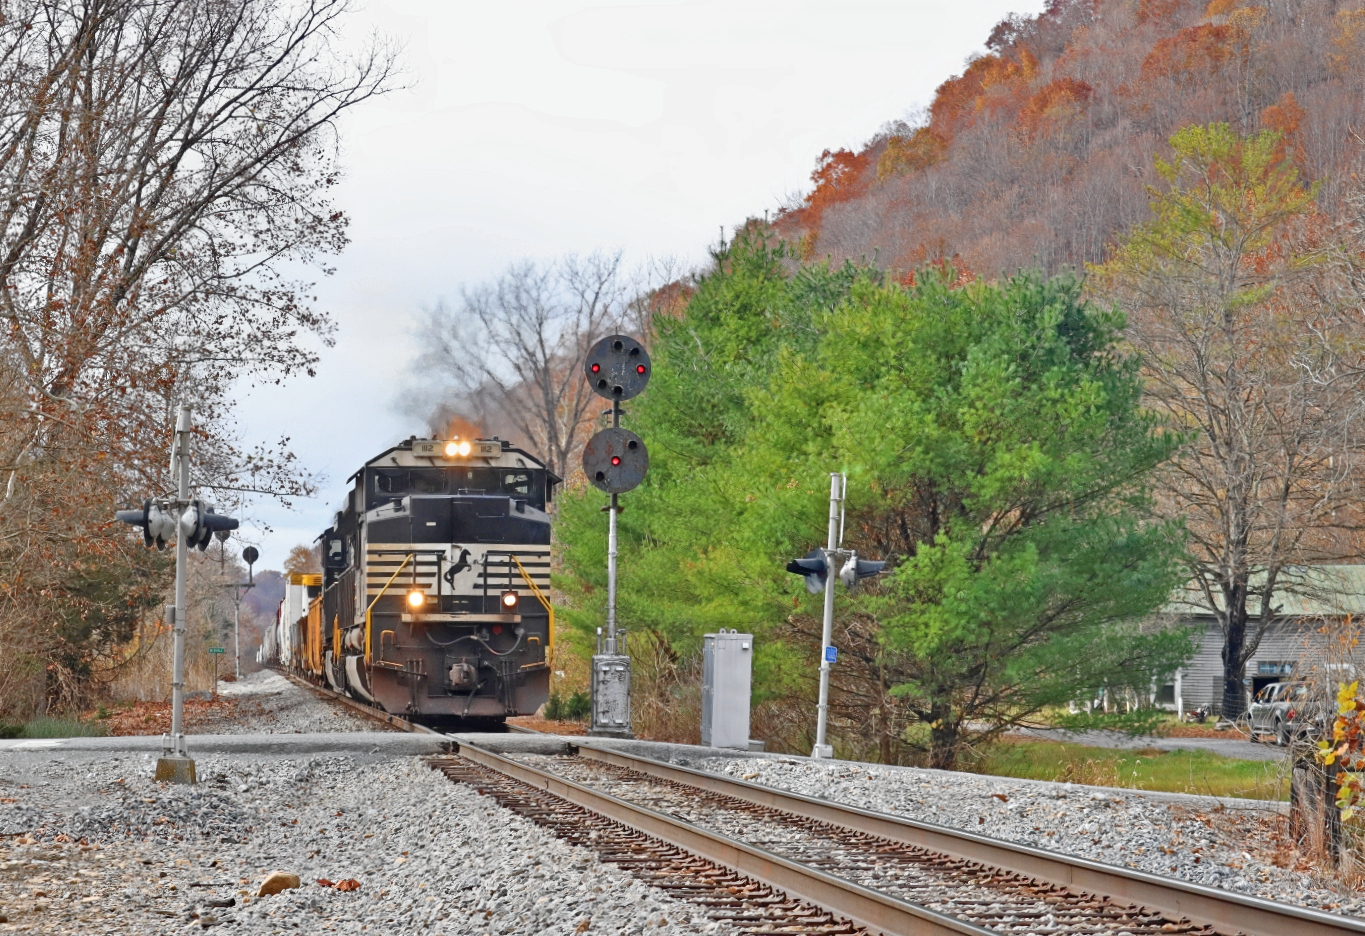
{"x": 596, "y": 368}
{"x": 616, "y": 459}
{"x": 639, "y": 368}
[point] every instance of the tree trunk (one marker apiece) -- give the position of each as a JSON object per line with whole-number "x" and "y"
{"x": 884, "y": 719}
{"x": 943, "y": 735}
{"x": 1234, "y": 661}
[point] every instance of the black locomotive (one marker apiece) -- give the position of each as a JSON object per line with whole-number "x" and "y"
{"x": 434, "y": 598}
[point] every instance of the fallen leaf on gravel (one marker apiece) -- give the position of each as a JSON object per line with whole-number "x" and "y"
{"x": 323, "y": 882}
{"x": 349, "y": 884}
{"x": 583, "y": 925}
{"x": 1001, "y": 797}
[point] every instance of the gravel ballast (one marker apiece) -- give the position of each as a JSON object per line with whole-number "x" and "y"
{"x": 115, "y": 852}
{"x": 90, "y": 843}
{"x": 268, "y": 702}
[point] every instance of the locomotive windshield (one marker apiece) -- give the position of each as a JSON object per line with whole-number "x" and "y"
{"x": 521, "y": 483}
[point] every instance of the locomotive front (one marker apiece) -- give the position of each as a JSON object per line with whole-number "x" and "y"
{"x": 436, "y": 580}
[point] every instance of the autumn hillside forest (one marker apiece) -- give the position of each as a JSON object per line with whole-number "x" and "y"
{"x": 1041, "y": 151}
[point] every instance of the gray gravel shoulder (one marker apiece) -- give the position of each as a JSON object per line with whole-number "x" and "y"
{"x": 1196, "y": 840}
{"x": 268, "y": 702}
{"x": 91, "y": 844}
{"x": 104, "y": 849}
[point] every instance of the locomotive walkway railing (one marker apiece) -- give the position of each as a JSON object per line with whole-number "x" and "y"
{"x": 369, "y": 655}
{"x": 549, "y": 609}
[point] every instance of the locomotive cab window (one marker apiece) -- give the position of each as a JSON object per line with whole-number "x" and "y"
{"x": 391, "y": 481}
{"x": 415, "y": 481}
{"x": 428, "y": 481}
{"x": 473, "y": 481}
{"x": 516, "y": 483}
{"x": 519, "y": 483}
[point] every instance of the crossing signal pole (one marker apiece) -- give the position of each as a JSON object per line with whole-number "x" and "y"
{"x": 818, "y": 569}
{"x": 838, "y": 485}
{"x": 615, "y": 461}
{"x": 192, "y": 523}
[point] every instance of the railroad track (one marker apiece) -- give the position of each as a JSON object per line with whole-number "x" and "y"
{"x": 794, "y": 864}
{"x": 864, "y": 871}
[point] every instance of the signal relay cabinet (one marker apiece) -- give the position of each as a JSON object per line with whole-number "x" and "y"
{"x": 727, "y": 675}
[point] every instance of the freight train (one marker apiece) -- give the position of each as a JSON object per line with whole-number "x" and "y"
{"x": 433, "y": 601}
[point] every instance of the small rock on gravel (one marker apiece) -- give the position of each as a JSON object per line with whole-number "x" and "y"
{"x": 277, "y": 881}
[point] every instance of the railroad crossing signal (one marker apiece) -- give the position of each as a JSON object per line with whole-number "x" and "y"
{"x": 814, "y": 568}
{"x": 192, "y": 523}
{"x": 156, "y": 520}
{"x": 198, "y": 522}
{"x": 855, "y": 570}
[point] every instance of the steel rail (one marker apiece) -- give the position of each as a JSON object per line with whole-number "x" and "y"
{"x": 1225, "y": 911}
{"x": 870, "y": 909}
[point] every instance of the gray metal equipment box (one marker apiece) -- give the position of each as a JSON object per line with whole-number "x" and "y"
{"x": 610, "y": 696}
{"x": 727, "y": 676}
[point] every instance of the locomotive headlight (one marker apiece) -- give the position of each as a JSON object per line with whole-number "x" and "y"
{"x": 509, "y": 600}
{"x": 452, "y": 449}
{"x": 416, "y": 598}
{"x": 458, "y": 448}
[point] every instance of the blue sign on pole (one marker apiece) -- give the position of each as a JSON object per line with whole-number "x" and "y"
{"x": 831, "y": 654}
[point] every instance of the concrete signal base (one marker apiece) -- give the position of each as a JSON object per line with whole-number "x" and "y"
{"x": 175, "y": 769}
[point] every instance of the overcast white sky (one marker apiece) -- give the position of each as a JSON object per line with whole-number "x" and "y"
{"x": 532, "y": 129}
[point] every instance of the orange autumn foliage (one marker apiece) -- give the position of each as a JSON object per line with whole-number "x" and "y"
{"x": 836, "y": 177}
{"x": 1189, "y": 53}
{"x": 1056, "y": 104}
{"x": 1285, "y": 117}
{"x": 914, "y": 153}
{"x": 990, "y": 85}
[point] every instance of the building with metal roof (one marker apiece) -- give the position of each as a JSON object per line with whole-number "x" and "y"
{"x": 1312, "y": 606}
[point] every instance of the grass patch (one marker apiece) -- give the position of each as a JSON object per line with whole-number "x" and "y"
{"x": 53, "y": 728}
{"x": 1199, "y": 772}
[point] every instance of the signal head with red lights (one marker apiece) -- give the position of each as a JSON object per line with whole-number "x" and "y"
{"x": 615, "y": 460}
{"x": 617, "y": 367}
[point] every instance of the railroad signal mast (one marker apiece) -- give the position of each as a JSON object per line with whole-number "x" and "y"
{"x": 615, "y": 461}
{"x": 239, "y": 590}
{"x": 192, "y": 523}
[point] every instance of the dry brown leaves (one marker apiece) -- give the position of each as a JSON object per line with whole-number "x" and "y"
{"x": 349, "y": 884}
{"x": 154, "y": 718}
